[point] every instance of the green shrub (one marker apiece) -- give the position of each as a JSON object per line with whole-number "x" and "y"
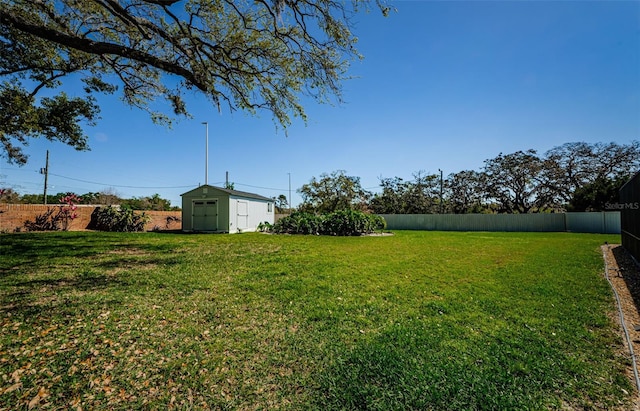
{"x": 117, "y": 219}
{"x": 351, "y": 222}
{"x": 342, "y": 223}
{"x": 298, "y": 223}
{"x": 265, "y": 227}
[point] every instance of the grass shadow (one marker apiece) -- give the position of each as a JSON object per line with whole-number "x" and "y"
{"x": 39, "y": 245}
{"x": 28, "y": 248}
{"x": 52, "y": 297}
{"x": 45, "y": 272}
{"x": 188, "y": 233}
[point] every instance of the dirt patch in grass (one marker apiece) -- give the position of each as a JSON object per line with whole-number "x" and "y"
{"x": 625, "y": 277}
{"x": 128, "y": 251}
{"x": 379, "y": 234}
{"x": 129, "y": 259}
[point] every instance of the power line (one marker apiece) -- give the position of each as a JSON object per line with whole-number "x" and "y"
{"x": 285, "y": 189}
{"x": 263, "y": 188}
{"x": 153, "y": 187}
{"x": 167, "y": 187}
{"x": 158, "y": 187}
{"x": 115, "y": 185}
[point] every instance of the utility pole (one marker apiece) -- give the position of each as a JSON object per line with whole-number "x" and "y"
{"x": 45, "y": 171}
{"x": 289, "y": 193}
{"x": 206, "y": 154}
{"x": 441, "y": 205}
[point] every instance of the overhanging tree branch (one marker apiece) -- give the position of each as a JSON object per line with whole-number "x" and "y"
{"x": 262, "y": 54}
{"x": 98, "y": 47}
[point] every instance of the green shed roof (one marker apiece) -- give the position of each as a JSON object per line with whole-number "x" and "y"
{"x": 236, "y": 193}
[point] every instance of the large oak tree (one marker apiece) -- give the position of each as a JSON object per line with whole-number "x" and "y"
{"x": 244, "y": 54}
{"x": 513, "y": 181}
{"x": 417, "y": 196}
{"x": 572, "y": 167}
{"x": 333, "y": 192}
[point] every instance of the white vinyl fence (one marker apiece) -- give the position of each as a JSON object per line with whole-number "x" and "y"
{"x": 606, "y": 222}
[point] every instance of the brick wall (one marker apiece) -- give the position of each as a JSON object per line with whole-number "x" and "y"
{"x": 13, "y": 216}
{"x": 159, "y": 220}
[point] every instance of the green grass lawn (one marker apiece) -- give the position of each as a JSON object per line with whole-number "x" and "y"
{"x": 419, "y": 320}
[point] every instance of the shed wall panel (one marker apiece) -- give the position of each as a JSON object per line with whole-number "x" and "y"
{"x": 212, "y": 222}
{"x": 256, "y": 212}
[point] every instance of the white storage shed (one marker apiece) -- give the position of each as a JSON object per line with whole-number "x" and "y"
{"x": 220, "y": 210}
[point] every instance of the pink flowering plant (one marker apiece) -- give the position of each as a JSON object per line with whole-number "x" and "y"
{"x": 68, "y": 210}
{"x": 57, "y": 218}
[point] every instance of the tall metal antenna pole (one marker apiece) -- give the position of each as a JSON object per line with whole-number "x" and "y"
{"x": 441, "y": 205}
{"x": 206, "y": 154}
{"x": 289, "y": 193}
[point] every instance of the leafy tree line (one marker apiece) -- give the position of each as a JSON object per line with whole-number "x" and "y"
{"x": 571, "y": 177}
{"x": 154, "y": 202}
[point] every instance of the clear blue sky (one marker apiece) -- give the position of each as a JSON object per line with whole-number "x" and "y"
{"x": 444, "y": 85}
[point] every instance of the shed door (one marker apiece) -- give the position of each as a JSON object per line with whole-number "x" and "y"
{"x": 205, "y": 215}
{"x": 242, "y": 221}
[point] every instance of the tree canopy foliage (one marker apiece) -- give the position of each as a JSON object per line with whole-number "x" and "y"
{"x": 570, "y": 177}
{"x": 281, "y": 203}
{"x": 333, "y": 192}
{"x": 573, "y": 176}
{"x": 106, "y": 197}
{"x": 247, "y": 55}
{"x": 418, "y": 196}
{"x": 513, "y": 182}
